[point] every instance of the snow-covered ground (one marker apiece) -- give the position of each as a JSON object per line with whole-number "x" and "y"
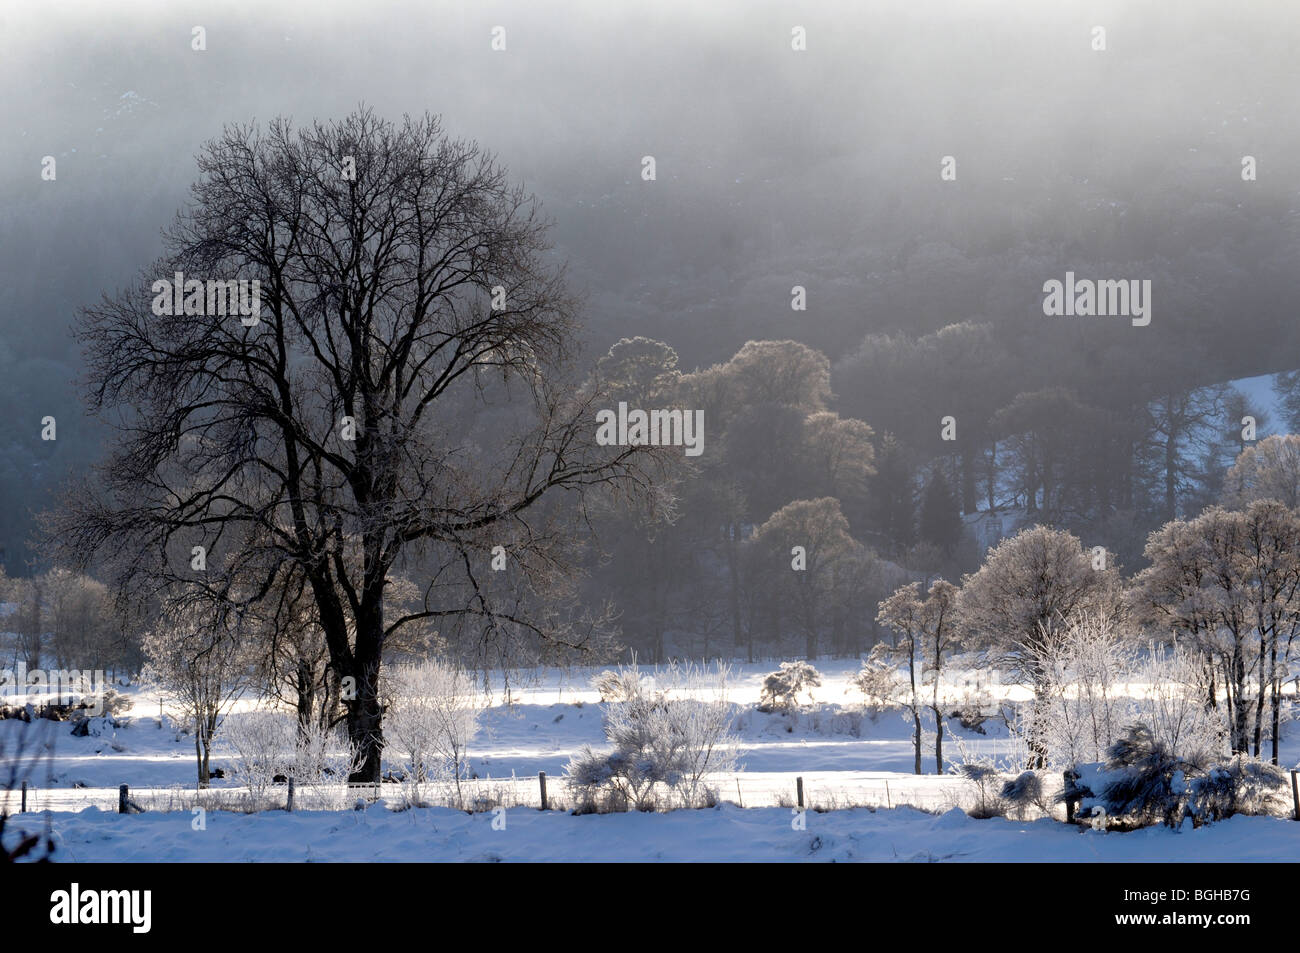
{"x": 725, "y": 833}
{"x": 844, "y": 756}
{"x": 855, "y": 764}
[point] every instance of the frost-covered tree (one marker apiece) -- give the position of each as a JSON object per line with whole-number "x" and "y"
{"x": 434, "y": 711}
{"x": 838, "y": 456}
{"x": 926, "y": 628}
{"x": 196, "y": 654}
{"x": 265, "y": 745}
{"x": 1229, "y": 583}
{"x": 879, "y": 680}
{"x": 1085, "y": 666}
{"x": 1270, "y": 470}
{"x": 79, "y": 614}
{"x": 1029, "y": 585}
{"x": 641, "y": 371}
{"x": 1173, "y": 705}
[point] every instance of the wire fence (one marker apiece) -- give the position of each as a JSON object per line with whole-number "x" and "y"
{"x": 817, "y": 791}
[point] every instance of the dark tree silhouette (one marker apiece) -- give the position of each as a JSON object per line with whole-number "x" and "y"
{"x": 406, "y": 402}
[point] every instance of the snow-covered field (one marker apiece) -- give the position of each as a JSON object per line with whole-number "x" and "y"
{"x": 856, "y": 770}
{"x": 551, "y": 716}
{"x": 725, "y": 833}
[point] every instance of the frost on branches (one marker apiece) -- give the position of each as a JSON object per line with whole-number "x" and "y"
{"x": 664, "y": 742}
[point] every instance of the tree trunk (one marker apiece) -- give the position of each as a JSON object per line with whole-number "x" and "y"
{"x": 1242, "y": 724}
{"x": 914, "y": 703}
{"x": 938, "y": 715}
{"x": 1275, "y": 692}
{"x": 1259, "y": 701}
{"x": 733, "y": 590}
{"x": 1171, "y": 465}
{"x": 305, "y": 686}
{"x": 365, "y": 713}
{"x": 1275, "y": 687}
{"x": 198, "y": 758}
{"x": 1037, "y": 748}
{"x": 916, "y": 739}
{"x": 365, "y": 724}
{"x": 992, "y": 485}
{"x": 938, "y": 740}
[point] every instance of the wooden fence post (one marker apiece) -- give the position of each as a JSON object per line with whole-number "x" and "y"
{"x": 24, "y": 810}
{"x": 798, "y": 783}
{"x": 1295, "y": 794}
{"x": 123, "y": 796}
{"x": 289, "y": 808}
{"x": 541, "y": 779}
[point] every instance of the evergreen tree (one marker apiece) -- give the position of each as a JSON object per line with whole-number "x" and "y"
{"x": 940, "y": 517}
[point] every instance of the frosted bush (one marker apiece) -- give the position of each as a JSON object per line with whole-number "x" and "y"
{"x": 614, "y": 685}
{"x": 1024, "y": 792}
{"x": 781, "y": 688}
{"x": 880, "y": 683}
{"x": 1095, "y": 684}
{"x": 434, "y": 711}
{"x": 1239, "y": 786}
{"x": 672, "y": 739}
{"x": 1174, "y": 706}
{"x": 322, "y": 753}
{"x": 1145, "y": 782}
{"x": 1082, "y": 700}
{"x": 983, "y": 776}
{"x": 264, "y": 743}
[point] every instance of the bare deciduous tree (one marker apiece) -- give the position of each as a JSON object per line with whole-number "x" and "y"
{"x": 926, "y": 627}
{"x": 406, "y": 397}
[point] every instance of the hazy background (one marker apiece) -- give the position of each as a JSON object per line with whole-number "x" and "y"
{"x": 775, "y": 168}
